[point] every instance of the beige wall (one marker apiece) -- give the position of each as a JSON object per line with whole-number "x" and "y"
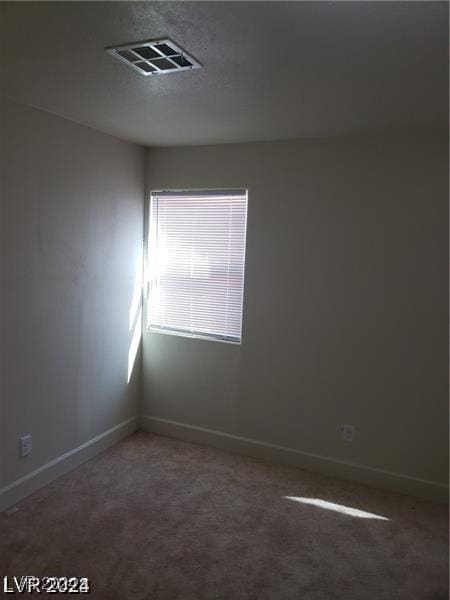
{"x": 70, "y": 240}
{"x": 345, "y": 316}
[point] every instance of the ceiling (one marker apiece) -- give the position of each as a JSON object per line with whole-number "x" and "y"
{"x": 271, "y": 70}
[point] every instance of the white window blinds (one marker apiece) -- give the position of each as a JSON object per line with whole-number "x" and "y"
{"x": 196, "y": 262}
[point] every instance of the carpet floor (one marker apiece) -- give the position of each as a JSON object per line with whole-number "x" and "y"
{"x": 153, "y": 518}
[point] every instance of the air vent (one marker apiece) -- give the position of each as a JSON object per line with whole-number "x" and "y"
{"x": 154, "y": 56}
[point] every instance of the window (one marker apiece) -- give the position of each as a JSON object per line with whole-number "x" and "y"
{"x": 196, "y": 255}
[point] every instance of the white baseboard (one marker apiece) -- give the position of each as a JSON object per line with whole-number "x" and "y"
{"x": 405, "y": 484}
{"x": 26, "y": 485}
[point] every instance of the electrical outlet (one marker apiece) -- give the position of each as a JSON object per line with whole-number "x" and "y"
{"x": 348, "y": 433}
{"x": 25, "y": 444}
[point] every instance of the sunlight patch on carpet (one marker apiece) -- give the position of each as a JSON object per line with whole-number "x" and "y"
{"x": 345, "y": 510}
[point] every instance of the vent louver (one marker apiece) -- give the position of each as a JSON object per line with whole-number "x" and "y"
{"x": 154, "y": 56}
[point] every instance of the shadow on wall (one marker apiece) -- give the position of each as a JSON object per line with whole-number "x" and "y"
{"x": 135, "y": 315}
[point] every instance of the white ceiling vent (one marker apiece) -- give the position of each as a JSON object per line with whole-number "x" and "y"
{"x": 154, "y": 56}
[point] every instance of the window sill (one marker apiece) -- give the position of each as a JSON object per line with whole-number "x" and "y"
{"x": 194, "y": 336}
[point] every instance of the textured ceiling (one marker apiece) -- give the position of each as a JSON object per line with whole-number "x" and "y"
{"x": 272, "y": 70}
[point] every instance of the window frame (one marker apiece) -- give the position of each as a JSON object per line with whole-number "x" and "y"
{"x": 180, "y": 332}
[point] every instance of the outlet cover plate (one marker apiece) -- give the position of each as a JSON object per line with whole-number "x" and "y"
{"x": 25, "y": 444}
{"x": 348, "y": 433}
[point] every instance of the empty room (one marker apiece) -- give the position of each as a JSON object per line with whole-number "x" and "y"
{"x": 224, "y": 300}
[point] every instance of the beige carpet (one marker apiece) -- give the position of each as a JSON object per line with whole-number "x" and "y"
{"x": 155, "y": 518}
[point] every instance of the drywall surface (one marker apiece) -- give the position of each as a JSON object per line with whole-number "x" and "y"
{"x": 345, "y": 309}
{"x": 71, "y": 240}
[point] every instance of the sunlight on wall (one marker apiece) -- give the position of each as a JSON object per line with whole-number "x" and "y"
{"x": 134, "y": 346}
{"x": 345, "y": 510}
{"x": 135, "y": 315}
{"x": 136, "y": 300}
